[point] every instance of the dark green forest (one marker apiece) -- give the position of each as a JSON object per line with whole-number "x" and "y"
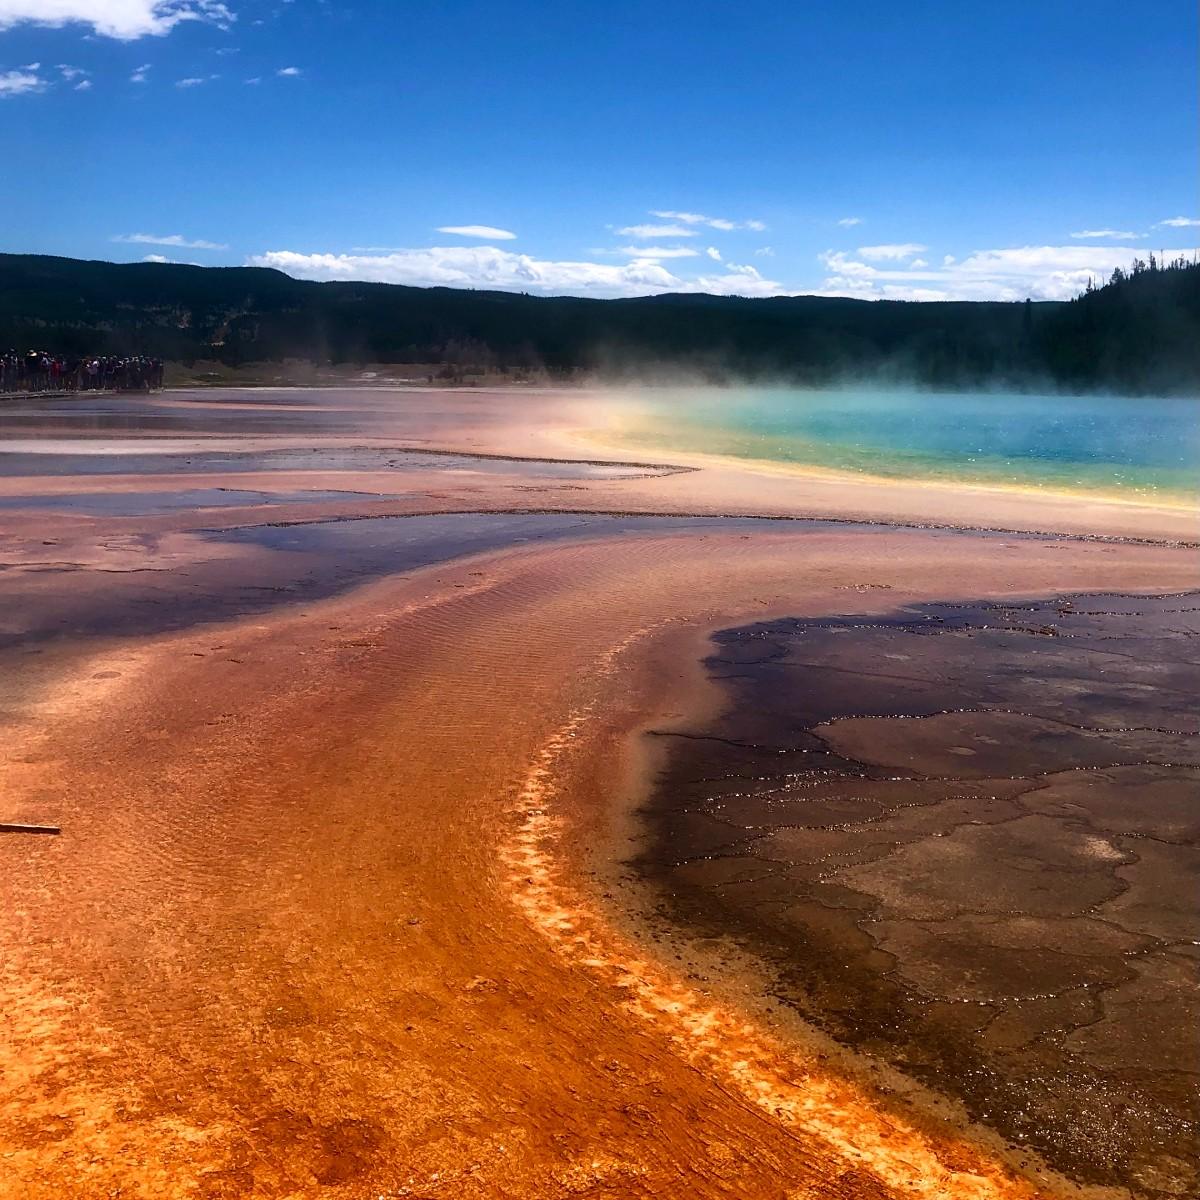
{"x": 1139, "y": 332}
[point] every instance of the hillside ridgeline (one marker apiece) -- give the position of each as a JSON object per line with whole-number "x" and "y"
{"x": 1140, "y": 332}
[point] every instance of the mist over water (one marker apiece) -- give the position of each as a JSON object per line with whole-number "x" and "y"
{"x": 1139, "y": 448}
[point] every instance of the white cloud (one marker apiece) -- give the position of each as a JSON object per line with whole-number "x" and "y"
{"x": 170, "y": 239}
{"x": 765, "y": 252}
{"x": 894, "y": 250}
{"x": 651, "y": 252}
{"x": 22, "y": 82}
{"x": 288, "y": 72}
{"x": 194, "y": 81}
{"x": 656, "y": 231}
{"x": 254, "y": 79}
{"x": 479, "y": 231}
{"x": 69, "y": 72}
{"x": 474, "y": 266}
{"x": 713, "y": 253}
{"x": 1125, "y": 234}
{"x": 1180, "y": 222}
{"x": 125, "y": 20}
{"x": 84, "y": 85}
{"x": 156, "y": 258}
{"x": 491, "y": 267}
{"x": 139, "y": 75}
{"x": 918, "y": 262}
{"x": 1038, "y": 272}
{"x": 737, "y": 281}
{"x": 850, "y": 222}
{"x": 691, "y": 218}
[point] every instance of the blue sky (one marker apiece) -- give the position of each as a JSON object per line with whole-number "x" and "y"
{"x": 940, "y": 149}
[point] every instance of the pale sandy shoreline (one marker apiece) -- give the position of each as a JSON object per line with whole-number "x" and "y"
{"x": 327, "y": 916}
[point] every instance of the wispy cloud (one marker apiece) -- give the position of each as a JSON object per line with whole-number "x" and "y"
{"x": 891, "y": 251}
{"x": 124, "y": 20}
{"x": 139, "y": 74}
{"x": 289, "y": 72}
{"x": 659, "y": 251}
{"x": 691, "y": 218}
{"x": 713, "y": 253}
{"x": 1180, "y": 222}
{"x": 491, "y": 267}
{"x": 765, "y": 252}
{"x": 489, "y": 232}
{"x": 28, "y": 80}
{"x": 1123, "y": 234}
{"x": 20, "y": 83}
{"x": 656, "y": 231}
{"x": 170, "y": 239}
{"x": 194, "y": 80}
{"x": 850, "y": 222}
{"x": 722, "y": 223}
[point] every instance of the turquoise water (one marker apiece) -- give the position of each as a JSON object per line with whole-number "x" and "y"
{"x": 1140, "y": 448}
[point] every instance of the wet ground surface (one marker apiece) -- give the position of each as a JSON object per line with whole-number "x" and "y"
{"x": 135, "y": 504}
{"x": 160, "y": 547}
{"x": 967, "y": 840}
{"x": 249, "y": 430}
{"x": 239, "y": 572}
{"x": 315, "y": 413}
{"x": 59, "y": 456}
{"x": 132, "y": 516}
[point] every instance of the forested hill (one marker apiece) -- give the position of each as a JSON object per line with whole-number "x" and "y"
{"x": 1138, "y": 333}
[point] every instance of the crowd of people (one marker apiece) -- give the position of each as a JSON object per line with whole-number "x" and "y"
{"x": 36, "y": 371}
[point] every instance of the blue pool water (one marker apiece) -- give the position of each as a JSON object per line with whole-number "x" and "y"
{"x": 1144, "y": 447}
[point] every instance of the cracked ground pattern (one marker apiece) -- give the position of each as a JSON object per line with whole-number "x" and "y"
{"x": 966, "y": 838}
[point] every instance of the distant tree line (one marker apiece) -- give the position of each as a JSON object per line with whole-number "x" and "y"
{"x": 1138, "y": 332}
